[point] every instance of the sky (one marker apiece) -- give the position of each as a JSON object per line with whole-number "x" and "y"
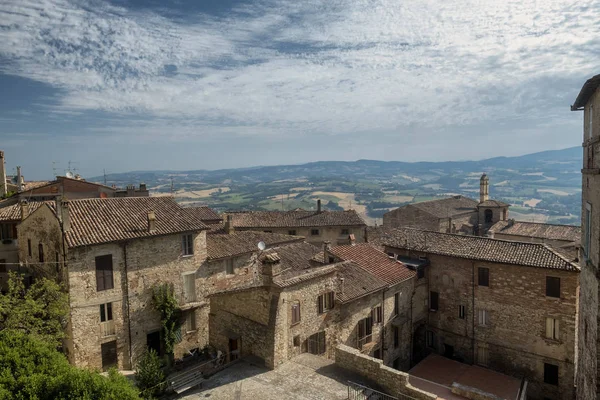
{"x": 180, "y": 85}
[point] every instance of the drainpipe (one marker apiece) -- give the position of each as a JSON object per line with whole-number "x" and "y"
{"x": 473, "y": 310}
{"x": 126, "y": 295}
{"x": 384, "y": 327}
{"x": 410, "y": 350}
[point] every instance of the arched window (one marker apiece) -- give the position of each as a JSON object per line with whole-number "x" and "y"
{"x": 489, "y": 215}
{"x": 41, "y": 252}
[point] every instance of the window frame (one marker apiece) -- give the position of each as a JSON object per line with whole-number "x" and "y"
{"x": 29, "y": 248}
{"x": 488, "y": 215}
{"x": 344, "y": 232}
{"x": 461, "y": 311}
{"x": 483, "y": 317}
{"x": 396, "y": 334}
{"x": 190, "y": 322}
{"x": 325, "y": 302}
{"x": 312, "y": 232}
{"x": 187, "y": 244}
{"x": 292, "y": 232}
{"x": 377, "y": 314}
{"x": 482, "y": 356}
{"x": 103, "y": 274}
{"x": 551, "y": 374}
{"x": 41, "y": 252}
{"x": 230, "y": 266}
{"x": 483, "y": 276}
{"x": 430, "y": 339}
{"x": 189, "y": 287}
{"x": 366, "y": 336}
{"x": 106, "y": 313}
{"x": 434, "y": 301}
{"x": 396, "y": 303}
{"x": 552, "y": 328}
{"x": 549, "y": 289}
{"x": 296, "y": 312}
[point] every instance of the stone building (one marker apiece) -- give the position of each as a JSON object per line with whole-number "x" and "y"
{"x": 316, "y": 226}
{"x": 508, "y": 306}
{"x": 457, "y": 214}
{"x": 588, "y": 381}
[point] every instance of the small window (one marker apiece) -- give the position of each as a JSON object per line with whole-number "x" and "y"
{"x": 434, "y": 301}
{"x": 190, "y": 323}
{"x": 189, "y": 287}
{"x": 420, "y": 272}
{"x": 396, "y": 337}
{"x": 396, "y": 303}
{"x": 488, "y": 215}
{"x": 552, "y": 328}
{"x": 29, "y": 247}
{"x": 229, "y": 266}
{"x": 188, "y": 244}
{"x": 551, "y": 374}
{"x": 484, "y": 276}
{"x": 429, "y": 339}
{"x": 377, "y": 315}
{"x": 292, "y": 232}
{"x": 297, "y": 341}
{"x": 104, "y": 272}
{"x": 365, "y": 331}
{"x": 325, "y": 302}
{"x": 552, "y": 286}
{"x": 483, "y": 317}
{"x": 314, "y": 232}
{"x": 106, "y": 312}
{"x": 295, "y": 312}
{"x": 345, "y": 232}
{"x": 331, "y": 260}
{"x": 41, "y": 252}
{"x": 461, "y": 312}
{"x": 377, "y": 354}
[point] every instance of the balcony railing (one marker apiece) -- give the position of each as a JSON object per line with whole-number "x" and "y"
{"x": 107, "y": 328}
{"x": 364, "y": 340}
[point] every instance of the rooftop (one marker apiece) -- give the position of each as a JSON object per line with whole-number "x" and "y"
{"x": 444, "y": 208}
{"x": 95, "y": 221}
{"x": 10, "y": 209}
{"x": 537, "y": 255}
{"x": 493, "y": 203}
{"x": 587, "y": 90}
{"x": 570, "y": 233}
{"x": 295, "y": 218}
{"x": 220, "y": 244}
{"x": 205, "y": 214}
{"x": 357, "y": 282}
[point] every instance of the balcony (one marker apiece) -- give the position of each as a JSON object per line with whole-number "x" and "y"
{"x": 107, "y": 328}
{"x": 364, "y": 341}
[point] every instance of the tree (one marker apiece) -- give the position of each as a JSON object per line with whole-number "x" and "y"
{"x": 165, "y": 303}
{"x": 33, "y": 369}
{"x": 40, "y": 311}
{"x": 149, "y": 376}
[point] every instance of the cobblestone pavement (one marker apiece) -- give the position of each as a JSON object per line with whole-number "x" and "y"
{"x": 306, "y": 377}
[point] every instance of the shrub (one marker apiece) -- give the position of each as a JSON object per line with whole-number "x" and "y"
{"x": 149, "y": 376}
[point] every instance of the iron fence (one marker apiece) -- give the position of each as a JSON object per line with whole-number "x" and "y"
{"x": 360, "y": 392}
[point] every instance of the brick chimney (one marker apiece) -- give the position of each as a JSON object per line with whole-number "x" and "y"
{"x": 66, "y": 218}
{"x": 24, "y": 209}
{"x": 229, "y": 229}
{"x": 319, "y": 206}
{"x": 151, "y": 221}
{"x": 3, "y": 188}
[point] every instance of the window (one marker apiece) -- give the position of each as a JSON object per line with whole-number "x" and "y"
{"x": 377, "y": 315}
{"x": 365, "y": 329}
{"x": 292, "y": 232}
{"x": 295, "y": 312}
{"x": 106, "y": 312}
{"x": 314, "y": 232}
{"x": 377, "y": 354}
{"x": 229, "y": 266}
{"x": 420, "y": 272}
{"x": 29, "y": 247}
{"x": 488, "y": 215}
{"x": 396, "y": 337}
{"x": 588, "y": 231}
{"x": 189, "y": 287}
{"x": 109, "y": 355}
{"x": 483, "y": 317}
{"x": 429, "y": 339}
{"x": 345, "y": 232}
{"x": 7, "y": 231}
{"x": 552, "y": 286}
{"x": 41, "y": 252}
{"x": 297, "y": 341}
{"x": 396, "y": 303}
{"x": 484, "y": 276}
{"x": 188, "y": 244}
{"x": 190, "y": 323}
{"x": 325, "y": 302}
{"x": 461, "y": 312}
{"x": 104, "y": 272}
{"x": 434, "y": 301}
{"x": 268, "y": 231}
{"x": 552, "y": 328}
{"x": 551, "y": 374}
{"x": 482, "y": 356}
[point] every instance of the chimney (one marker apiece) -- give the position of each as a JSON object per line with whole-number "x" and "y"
{"x": 58, "y": 207}
{"x": 511, "y": 222}
{"x": 3, "y": 189}
{"x": 151, "y": 221}
{"x": 326, "y": 249}
{"x": 24, "y": 209}
{"x": 484, "y": 184}
{"x": 229, "y": 229}
{"x": 19, "y": 179}
{"x": 319, "y": 206}
{"x": 352, "y": 239}
{"x": 142, "y": 187}
{"x": 271, "y": 267}
{"x": 66, "y": 219}
{"x": 130, "y": 190}
{"x": 341, "y": 285}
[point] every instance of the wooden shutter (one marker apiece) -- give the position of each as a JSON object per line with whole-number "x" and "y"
{"x": 320, "y": 304}
{"x": 549, "y": 327}
{"x": 331, "y": 299}
{"x": 104, "y": 272}
{"x": 484, "y": 276}
{"x": 552, "y": 286}
{"x": 434, "y": 300}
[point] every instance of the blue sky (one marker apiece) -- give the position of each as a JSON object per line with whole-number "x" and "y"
{"x": 130, "y": 85}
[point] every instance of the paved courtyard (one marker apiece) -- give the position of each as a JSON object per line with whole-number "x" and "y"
{"x": 304, "y": 377}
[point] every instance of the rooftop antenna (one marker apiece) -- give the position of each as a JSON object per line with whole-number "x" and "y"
{"x": 104, "y": 171}
{"x": 54, "y": 169}
{"x": 282, "y": 202}
{"x": 172, "y": 186}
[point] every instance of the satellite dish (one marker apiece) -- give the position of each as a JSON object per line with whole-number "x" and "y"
{"x": 69, "y": 174}
{"x": 262, "y": 246}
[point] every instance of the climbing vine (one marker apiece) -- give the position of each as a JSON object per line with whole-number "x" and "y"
{"x": 165, "y": 303}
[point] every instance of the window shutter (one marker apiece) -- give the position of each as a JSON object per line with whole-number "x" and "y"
{"x": 556, "y": 329}
{"x": 331, "y": 299}
{"x": 549, "y": 326}
{"x": 320, "y": 304}
{"x": 108, "y": 272}
{"x": 99, "y": 278}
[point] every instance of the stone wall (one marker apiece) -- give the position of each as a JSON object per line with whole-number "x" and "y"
{"x": 392, "y": 382}
{"x": 355, "y": 311}
{"x": 212, "y": 275}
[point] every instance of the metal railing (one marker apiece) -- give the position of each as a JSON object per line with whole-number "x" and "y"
{"x": 107, "y": 328}
{"x": 364, "y": 340}
{"x": 360, "y": 392}
{"x": 193, "y": 376}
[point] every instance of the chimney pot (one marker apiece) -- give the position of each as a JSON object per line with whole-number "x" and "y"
{"x": 64, "y": 212}
{"x": 229, "y": 228}
{"x": 24, "y": 209}
{"x": 151, "y": 221}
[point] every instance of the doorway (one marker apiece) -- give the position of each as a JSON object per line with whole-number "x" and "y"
{"x": 448, "y": 351}
{"x": 234, "y": 349}
{"x": 109, "y": 355}
{"x": 153, "y": 342}
{"x": 316, "y": 343}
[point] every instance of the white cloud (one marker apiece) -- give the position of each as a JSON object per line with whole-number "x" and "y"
{"x": 290, "y": 67}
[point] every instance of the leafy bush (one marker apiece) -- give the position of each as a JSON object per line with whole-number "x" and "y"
{"x": 32, "y": 369}
{"x": 149, "y": 376}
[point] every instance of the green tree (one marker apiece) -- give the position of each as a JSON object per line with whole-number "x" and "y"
{"x": 35, "y": 370}
{"x": 165, "y": 303}
{"x": 149, "y": 376}
{"x": 40, "y": 311}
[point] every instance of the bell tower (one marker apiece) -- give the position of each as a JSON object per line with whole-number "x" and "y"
{"x": 484, "y": 188}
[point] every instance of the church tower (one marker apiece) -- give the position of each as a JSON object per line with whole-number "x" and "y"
{"x": 484, "y": 188}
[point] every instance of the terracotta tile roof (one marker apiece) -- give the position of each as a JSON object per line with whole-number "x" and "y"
{"x": 493, "y": 203}
{"x": 205, "y": 214}
{"x": 95, "y": 221}
{"x": 587, "y": 90}
{"x": 537, "y": 230}
{"x": 220, "y": 244}
{"x": 28, "y": 185}
{"x": 358, "y": 282}
{"x": 537, "y": 255}
{"x": 11, "y": 210}
{"x": 444, "y": 208}
{"x": 295, "y": 218}
{"x": 375, "y": 262}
